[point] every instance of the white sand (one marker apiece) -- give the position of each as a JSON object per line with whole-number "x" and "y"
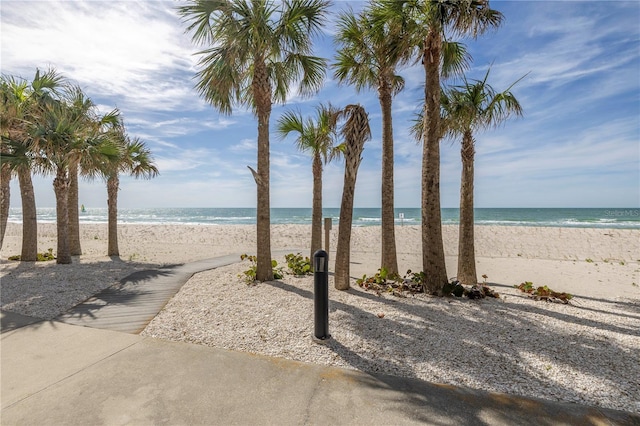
{"x": 585, "y": 352}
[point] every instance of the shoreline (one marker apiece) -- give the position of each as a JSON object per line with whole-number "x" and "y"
{"x": 398, "y": 223}
{"x": 604, "y": 218}
{"x": 585, "y": 352}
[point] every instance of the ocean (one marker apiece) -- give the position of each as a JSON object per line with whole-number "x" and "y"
{"x": 623, "y": 218}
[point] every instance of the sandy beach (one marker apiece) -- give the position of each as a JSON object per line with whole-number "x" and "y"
{"x": 587, "y": 351}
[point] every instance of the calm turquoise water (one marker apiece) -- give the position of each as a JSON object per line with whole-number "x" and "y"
{"x": 568, "y": 217}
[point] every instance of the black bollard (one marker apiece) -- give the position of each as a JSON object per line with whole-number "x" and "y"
{"x": 321, "y": 295}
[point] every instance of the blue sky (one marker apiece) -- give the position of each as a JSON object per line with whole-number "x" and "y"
{"x": 578, "y": 144}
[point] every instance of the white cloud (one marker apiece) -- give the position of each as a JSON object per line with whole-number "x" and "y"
{"x": 134, "y": 51}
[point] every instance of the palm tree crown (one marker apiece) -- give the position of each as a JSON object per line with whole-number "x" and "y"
{"x": 314, "y": 135}
{"x": 476, "y": 105}
{"x": 254, "y": 37}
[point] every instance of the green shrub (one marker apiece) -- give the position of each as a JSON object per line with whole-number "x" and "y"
{"x": 298, "y": 265}
{"x": 250, "y": 274}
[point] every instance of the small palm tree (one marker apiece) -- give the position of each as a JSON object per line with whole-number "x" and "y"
{"x": 256, "y": 50}
{"x": 132, "y": 158}
{"x": 472, "y": 107}
{"x": 356, "y": 132}
{"x": 370, "y": 51}
{"x": 316, "y": 137}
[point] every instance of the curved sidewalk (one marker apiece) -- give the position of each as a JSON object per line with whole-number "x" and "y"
{"x": 140, "y": 297}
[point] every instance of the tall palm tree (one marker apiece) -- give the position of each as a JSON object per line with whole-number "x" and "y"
{"x": 256, "y": 50}
{"x": 370, "y": 51}
{"x": 430, "y": 21}
{"x": 472, "y": 107}
{"x": 22, "y": 104}
{"x": 316, "y": 137}
{"x": 356, "y": 132}
{"x": 131, "y": 157}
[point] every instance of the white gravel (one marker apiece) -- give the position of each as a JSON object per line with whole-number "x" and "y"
{"x": 587, "y": 352}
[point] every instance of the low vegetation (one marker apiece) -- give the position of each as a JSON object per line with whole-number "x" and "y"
{"x": 413, "y": 282}
{"x": 41, "y": 257}
{"x": 544, "y": 293}
{"x": 250, "y": 274}
{"x": 297, "y": 264}
{"x": 383, "y": 282}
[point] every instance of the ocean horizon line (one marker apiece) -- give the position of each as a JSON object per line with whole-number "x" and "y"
{"x": 338, "y": 207}
{"x": 613, "y": 217}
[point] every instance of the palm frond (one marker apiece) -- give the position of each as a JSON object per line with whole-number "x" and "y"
{"x": 240, "y": 34}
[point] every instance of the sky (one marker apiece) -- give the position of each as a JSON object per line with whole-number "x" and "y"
{"x": 577, "y": 144}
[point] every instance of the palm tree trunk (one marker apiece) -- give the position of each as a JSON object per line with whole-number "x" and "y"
{"x": 355, "y": 137}
{"x": 466, "y": 249}
{"x": 262, "y": 97}
{"x": 389, "y": 260}
{"x": 316, "y": 214}
{"x": 433, "y": 261}
{"x": 112, "y": 204}
{"x": 74, "y": 218}
{"x": 61, "y": 189}
{"x": 343, "y": 249}
{"x": 5, "y": 199}
{"x": 29, "y": 220}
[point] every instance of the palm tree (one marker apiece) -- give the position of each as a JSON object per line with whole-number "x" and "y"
{"x": 22, "y": 103}
{"x": 356, "y": 132}
{"x": 471, "y": 107}
{"x": 256, "y": 50}
{"x": 429, "y": 21}
{"x": 317, "y": 137}
{"x": 370, "y": 51}
{"x": 86, "y": 157}
{"x": 83, "y": 107}
{"x": 133, "y": 158}
{"x": 9, "y": 119}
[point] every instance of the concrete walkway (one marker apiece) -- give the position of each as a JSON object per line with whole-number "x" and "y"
{"x": 60, "y": 374}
